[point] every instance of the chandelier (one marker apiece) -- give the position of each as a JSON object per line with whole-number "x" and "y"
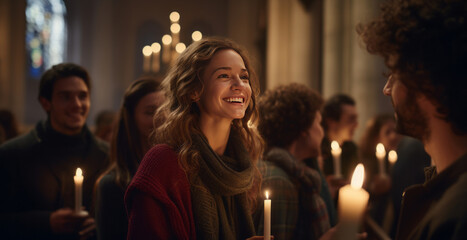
{"x": 171, "y": 47}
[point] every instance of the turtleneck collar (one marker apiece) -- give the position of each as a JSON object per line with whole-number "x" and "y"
{"x": 48, "y": 134}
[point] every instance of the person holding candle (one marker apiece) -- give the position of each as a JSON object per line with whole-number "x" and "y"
{"x": 340, "y": 119}
{"x": 129, "y": 144}
{"x": 424, "y": 46}
{"x": 379, "y": 129}
{"x": 290, "y": 124}
{"x": 200, "y": 179}
{"x": 38, "y": 168}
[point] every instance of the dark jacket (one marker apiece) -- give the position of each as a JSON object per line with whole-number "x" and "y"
{"x": 111, "y": 217}
{"x": 437, "y": 208}
{"x": 37, "y": 172}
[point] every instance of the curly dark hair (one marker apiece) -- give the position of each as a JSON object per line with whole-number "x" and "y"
{"x": 287, "y": 111}
{"x": 424, "y": 43}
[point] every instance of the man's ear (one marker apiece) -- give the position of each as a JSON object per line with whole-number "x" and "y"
{"x": 46, "y": 105}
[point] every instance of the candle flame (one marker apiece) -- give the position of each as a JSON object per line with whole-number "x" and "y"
{"x": 79, "y": 172}
{"x": 392, "y": 156}
{"x": 267, "y": 195}
{"x": 147, "y": 51}
{"x": 357, "y": 177}
{"x": 196, "y": 36}
{"x": 174, "y": 16}
{"x": 175, "y": 28}
{"x": 380, "y": 148}
{"x": 166, "y": 39}
{"x": 335, "y": 145}
{"x": 180, "y": 47}
{"x": 156, "y": 47}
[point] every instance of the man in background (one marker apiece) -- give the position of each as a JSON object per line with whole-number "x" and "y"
{"x": 38, "y": 168}
{"x": 424, "y": 44}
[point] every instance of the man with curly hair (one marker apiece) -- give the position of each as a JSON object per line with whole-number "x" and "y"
{"x": 290, "y": 124}
{"x": 424, "y": 44}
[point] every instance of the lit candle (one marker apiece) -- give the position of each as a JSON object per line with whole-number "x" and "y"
{"x": 381, "y": 155}
{"x": 78, "y": 178}
{"x": 147, "y": 58}
{"x": 336, "y": 157}
{"x": 156, "y": 49}
{"x": 174, "y": 16}
{"x": 166, "y": 42}
{"x": 392, "y": 157}
{"x": 196, "y": 36}
{"x": 175, "y": 30}
{"x": 267, "y": 217}
{"x": 352, "y": 203}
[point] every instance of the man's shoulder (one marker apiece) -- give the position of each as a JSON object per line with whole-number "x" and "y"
{"x": 21, "y": 143}
{"x": 271, "y": 172}
{"x": 447, "y": 218}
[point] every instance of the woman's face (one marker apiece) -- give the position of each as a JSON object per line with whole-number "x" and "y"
{"x": 144, "y": 112}
{"x": 388, "y": 136}
{"x": 227, "y": 90}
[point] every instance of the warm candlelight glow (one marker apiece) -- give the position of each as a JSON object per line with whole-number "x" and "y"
{"x": 267, "y": 217}
{"x": 156, "y": 47}
{"x": 79, "y": 172}
{"x": 180, "y": 47}
{"x": 380, "y": 148}
{"x": 357, "y": 177}
{"x": 336, "y": 158}
{"x": 335, "y": 145}
{"x": 174, "y": 16}
{"x": 196, "y": 36}
{"x": 147, "y": 50}
{"x": 166, "y": 39}
{"x": 352, "y": 203}
{"x": 175, "y": 28}
{"x": 78, "y": 179}
{"x": 392, "y": 156}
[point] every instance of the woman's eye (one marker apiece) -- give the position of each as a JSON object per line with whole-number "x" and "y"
{"x": 223, "y": 76}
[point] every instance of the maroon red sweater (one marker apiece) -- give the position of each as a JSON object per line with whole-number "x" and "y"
{"x": 158, "y": 199}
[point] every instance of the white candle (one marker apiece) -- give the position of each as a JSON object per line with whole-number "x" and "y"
{"x": 78, "y": 178}
{"x": 175, "y": 30}
{"x": 352, "y": 204}
{"x": 392, "y": 157}
{"x": 381, "y": 155}
{"x": 147, "y": 58}
{"x": 336, "y": 157}
{"x": 156, "y": 49}
{"x": 267, "y": 217}
{"x": 166, "y": 48}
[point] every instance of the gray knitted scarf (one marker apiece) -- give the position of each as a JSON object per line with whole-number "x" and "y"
{"x": 219, "y": 197}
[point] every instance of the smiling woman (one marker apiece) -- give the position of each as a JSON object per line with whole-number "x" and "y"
{"x": 200, "y": 180}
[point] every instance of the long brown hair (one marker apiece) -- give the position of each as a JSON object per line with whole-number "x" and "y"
{"x": 126, "y": 148}
{"x": 178, "y": 117}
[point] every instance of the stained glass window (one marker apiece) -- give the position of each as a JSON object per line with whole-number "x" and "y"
{"x": 46, "y": 34}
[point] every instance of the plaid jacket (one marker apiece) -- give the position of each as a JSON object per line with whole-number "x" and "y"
{"x": 297, "y": 210}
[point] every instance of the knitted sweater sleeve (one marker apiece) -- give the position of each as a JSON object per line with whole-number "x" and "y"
{"x": 158, "y": 199}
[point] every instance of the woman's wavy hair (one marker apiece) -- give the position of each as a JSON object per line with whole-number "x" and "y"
{"x": 424, "y": 44}
{"x": 126, "y": 148}
{"x": 178, "y": 117}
